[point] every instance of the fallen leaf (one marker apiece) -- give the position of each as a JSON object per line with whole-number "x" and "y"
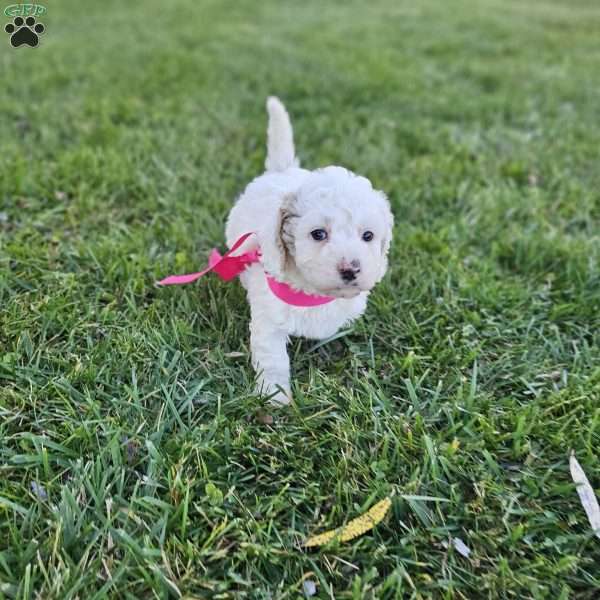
{"x": 39, "y": 490}
{"x": 586, "y": 494}
{"x": 355, "y": 527}
{"x": 461, "y": 547}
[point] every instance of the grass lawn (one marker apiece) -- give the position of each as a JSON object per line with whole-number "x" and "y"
{"x": 135, "y": 461}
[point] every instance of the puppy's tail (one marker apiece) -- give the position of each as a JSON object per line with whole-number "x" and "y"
{"x": 280, "y": 145}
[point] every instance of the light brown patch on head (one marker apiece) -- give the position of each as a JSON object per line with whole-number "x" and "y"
{"x": 285, "y": 237}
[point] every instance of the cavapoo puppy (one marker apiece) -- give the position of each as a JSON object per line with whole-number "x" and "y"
{"x": 321, "y": 238}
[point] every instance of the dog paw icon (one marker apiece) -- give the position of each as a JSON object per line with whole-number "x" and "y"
{"x": 24, "y": 32}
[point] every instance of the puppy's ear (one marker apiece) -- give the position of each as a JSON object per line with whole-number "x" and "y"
{"x": 287, "y": 217}
{"x": 277, "y": 239}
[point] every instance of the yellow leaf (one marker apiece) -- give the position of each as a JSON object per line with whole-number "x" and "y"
{"x": 355, "y": 527}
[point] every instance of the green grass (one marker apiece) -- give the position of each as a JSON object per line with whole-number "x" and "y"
{"x": 135, "y": 461}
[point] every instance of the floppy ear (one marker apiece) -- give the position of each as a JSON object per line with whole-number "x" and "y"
{"x": 277, "y": 238}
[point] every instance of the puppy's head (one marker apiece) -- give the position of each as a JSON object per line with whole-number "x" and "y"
{"x": 332, "y": 236}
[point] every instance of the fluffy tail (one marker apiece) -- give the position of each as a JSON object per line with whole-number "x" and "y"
{"x": 280, "y": 145}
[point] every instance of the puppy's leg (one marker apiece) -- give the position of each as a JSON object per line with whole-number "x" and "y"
{"x": 270, "y": 360}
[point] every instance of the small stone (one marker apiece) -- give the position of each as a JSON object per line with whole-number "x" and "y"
{"x": 264, "y": 418}
{"x": 309, "y": 587}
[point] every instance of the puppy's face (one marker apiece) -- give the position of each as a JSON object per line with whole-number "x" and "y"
{"x": 335, "y": 234}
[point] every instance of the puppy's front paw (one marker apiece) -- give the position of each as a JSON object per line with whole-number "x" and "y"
{"x": 277, "y": 395}
{"x": 281, "y": 398}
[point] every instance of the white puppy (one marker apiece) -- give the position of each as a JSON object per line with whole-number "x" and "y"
{"x": 325, "y": 232}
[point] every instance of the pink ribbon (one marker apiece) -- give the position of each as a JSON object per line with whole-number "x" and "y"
{"x": 228, "y": 267}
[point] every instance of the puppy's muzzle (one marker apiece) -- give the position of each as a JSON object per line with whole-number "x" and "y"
{"x": 349, "y": 271}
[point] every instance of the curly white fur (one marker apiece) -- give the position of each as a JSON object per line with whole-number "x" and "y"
{"x": 284, "y": 206}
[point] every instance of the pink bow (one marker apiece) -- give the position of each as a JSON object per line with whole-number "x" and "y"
{"x": 227, "y": 267}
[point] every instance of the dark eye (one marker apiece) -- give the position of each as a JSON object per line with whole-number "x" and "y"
{"x": 367, "y": 236}
{"x": 318, "y": 235}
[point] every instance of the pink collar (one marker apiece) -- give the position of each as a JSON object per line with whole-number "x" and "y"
{"x": 227, "y": 267}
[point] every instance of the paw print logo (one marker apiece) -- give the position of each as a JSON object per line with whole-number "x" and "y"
{"x": 24, "y": 31}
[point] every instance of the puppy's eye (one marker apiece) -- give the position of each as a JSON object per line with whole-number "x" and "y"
{"x": 367, "y": 236}
{"x": 318, "y": 235}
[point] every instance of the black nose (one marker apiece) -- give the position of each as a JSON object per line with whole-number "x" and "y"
{"x": 349, "y": 275}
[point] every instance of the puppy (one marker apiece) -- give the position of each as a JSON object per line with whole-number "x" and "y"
{"x": 324, "y": 233}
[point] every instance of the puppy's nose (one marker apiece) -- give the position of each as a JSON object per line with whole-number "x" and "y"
{"x": 349, "y": 271}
